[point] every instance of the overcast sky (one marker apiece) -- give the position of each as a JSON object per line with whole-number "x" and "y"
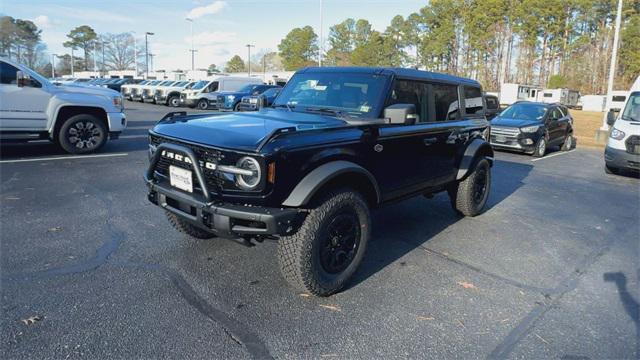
{"x": 221, "y": 28}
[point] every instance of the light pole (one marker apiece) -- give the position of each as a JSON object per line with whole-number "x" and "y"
{"x": 193, "y": 51}
{"x": 151, "y": 60}
{"x": 104, "y": 72}
{"x": 249, "y": 46}
{"x": 95, "y": 58}
{"x": 53, "y": 65}
{"x": 135, "y": 53}
{"x": 72, "y": 61}
{"x": 146, "y": 50}
{"x": 612, "y": 67}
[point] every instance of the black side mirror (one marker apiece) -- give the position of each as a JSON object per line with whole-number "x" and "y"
{"x": 611, "y": 117}
{"x": 401, "y": 114}
{"x": 22, "y": 79}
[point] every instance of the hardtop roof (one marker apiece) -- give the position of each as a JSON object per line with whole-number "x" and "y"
{"x": 399, "y": 72}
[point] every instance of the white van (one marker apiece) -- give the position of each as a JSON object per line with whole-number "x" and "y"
{"x": 623, "y": 146}
{"x": 204, "y": 93}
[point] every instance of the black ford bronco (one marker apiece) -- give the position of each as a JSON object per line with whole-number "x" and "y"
{"x": 335, "y": 143}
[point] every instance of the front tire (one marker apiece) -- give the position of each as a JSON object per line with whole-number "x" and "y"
{"x": 236, "y": 108}
{"x": 541, "y": 147}
{"x": 469, "y": 196}
{"x": 203, "y": 104}
{"x": 187, "y": 228}
{"x": 329, "y": 246}
{"x": 82, "y": 134}
{"x": 568, "y": 143}
{"x": 173, "y": 101}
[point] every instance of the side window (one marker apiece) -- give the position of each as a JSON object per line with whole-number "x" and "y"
{"x": 472, "y": 100}
{"x": 212, "y": 87}
{"x": 492, "y": 103}
{"x": 8, "y": 73}
{"x": 446, "y": 101}
{"x": 411, "y": 92}
{"x": 555, "y": 114}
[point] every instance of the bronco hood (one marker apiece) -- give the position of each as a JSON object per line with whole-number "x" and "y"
{"x": 240, "y": 131}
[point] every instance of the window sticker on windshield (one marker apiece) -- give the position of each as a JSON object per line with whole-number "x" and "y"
{"x": 364, "y": 108}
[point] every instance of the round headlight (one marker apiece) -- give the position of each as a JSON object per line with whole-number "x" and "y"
{"x": 248, "y": 182}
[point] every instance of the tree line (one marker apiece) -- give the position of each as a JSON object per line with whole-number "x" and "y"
{"x": 555, "y": 43}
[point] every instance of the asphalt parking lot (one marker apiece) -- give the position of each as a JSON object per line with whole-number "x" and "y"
{"x": 550, "y": 270}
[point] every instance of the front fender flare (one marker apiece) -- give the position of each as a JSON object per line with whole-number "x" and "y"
{"x": 477, "y": 147}
{"x": 313, "y": 181}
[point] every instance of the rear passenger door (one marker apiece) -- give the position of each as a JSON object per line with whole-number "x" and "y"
{"x": 554, "y": 125}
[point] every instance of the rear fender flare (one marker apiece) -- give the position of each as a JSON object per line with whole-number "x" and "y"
{"x": 477, "y": 148}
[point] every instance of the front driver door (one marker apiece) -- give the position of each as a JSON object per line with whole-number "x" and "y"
{"x": 21, "y": 108}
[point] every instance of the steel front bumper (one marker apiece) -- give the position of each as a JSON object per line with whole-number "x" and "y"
{"x": 225, "y": 220}
{"x": 620, "y": 159}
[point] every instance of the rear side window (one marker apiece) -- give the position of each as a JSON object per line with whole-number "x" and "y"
{"x": 472, "y": 100}
{"x": 446, "y": 101}
{"x": 8, "y": 73}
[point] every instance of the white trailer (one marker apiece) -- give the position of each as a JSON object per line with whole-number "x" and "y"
{"x": 565, "y": 97}
{"x": 510, "y": 93}
{"x": 593, "y": 102}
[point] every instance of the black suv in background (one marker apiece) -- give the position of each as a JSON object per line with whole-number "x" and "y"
{"x": 532, "y": 127}
{"x": 336, "y": 143}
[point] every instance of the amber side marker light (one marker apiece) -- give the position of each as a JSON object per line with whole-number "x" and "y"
{"x": 271, "y": 173}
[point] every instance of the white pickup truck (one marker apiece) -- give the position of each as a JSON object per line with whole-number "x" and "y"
{"x": 80, "y": 119}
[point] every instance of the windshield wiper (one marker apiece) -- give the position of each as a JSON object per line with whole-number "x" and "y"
{"x": 326, "y": 111}
{"x": 629, "y": 118}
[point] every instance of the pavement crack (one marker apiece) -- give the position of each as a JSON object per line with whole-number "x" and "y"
{"x": 237, "y": 331}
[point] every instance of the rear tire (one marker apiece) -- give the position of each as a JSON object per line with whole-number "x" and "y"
{"x": 469, "y": 196}
{"x": 329, "y": 246}
{"x": 203, "y": 104}
{"x": 187, "y": 228}
{"x": 82, "y": 134}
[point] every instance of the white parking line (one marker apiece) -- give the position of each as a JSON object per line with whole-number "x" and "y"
{"x": 63, "y": 158}
{"x": 552, "y": 155}
{"x": 133, "y": 137}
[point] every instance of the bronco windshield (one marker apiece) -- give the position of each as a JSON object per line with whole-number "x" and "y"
{"x": 525, "y": 111}
{"x": 344, "y": 94}
{"x": 632, "y": 110}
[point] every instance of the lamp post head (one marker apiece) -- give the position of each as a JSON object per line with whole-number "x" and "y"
{"x": 149, "y": 33}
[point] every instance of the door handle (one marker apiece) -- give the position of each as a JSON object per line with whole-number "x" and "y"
{"x": 430, "y": 141}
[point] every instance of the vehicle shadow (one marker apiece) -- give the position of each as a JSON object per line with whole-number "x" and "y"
{"x": 403, "y": 227}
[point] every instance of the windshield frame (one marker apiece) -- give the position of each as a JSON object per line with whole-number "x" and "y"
{"x": 377, "y": 103}
{"x": 204, "y": 83}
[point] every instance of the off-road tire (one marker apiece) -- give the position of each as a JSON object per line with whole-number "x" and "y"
{"x": 568, "y": 143}
{"x": 64, "y": 137}
{"x": 299, "y": 254}
{"x": 203, "y": 104}
{"x": 462, "y": 194}
{"x": 540, "y": 150}
{"x": 188, "y": 229}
